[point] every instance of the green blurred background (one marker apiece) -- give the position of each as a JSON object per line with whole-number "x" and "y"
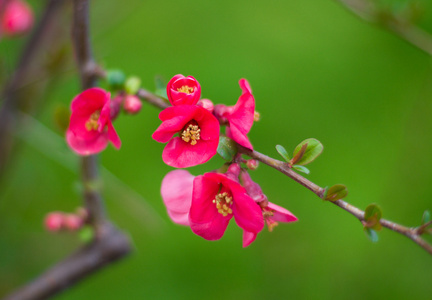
{"x": 316, "y": 71}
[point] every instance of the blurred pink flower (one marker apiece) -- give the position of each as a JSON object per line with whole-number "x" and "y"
{"x": 198, "y": 135}
{"x": 17, "y": 18}
{"x": 273, "y": 214}
{"x": 90, "y": 126}
{"x": 216, "y": 199}
{"x": 240, "y": 116}
{"x": 176, "y": 191}
{"x": 183, "y": 90}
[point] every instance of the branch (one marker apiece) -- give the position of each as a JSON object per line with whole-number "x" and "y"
{"x": 11, "y": 99}
{"x": 402, "y": 27}
{"x": 109, "y": 247}
{"x": 109, "y": 243}
{"x": 412, "y": 233}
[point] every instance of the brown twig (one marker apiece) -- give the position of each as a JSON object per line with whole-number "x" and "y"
{"x": 11, "y": 99}
{"x": 109, "y": 243}
{"x": 405, "y": 29}
{"x": 283, "y": 167}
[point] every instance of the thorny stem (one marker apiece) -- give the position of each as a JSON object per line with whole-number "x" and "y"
{"x": 412, "y": 233}
{"x": 405, "y": 29}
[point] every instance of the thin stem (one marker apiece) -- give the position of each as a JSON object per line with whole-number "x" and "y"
{"x": 370, "y": 12}
{"x": 283, "y": 167}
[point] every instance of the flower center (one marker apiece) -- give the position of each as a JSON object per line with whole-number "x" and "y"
{"x": 191, "y": 134}
{"x": 268, "y": 214}
{"x": 92, "y": 122}
{"x": 223, "y": 202}
{"x": 185, "y": 89}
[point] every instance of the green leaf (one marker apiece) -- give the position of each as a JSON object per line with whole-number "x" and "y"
{"x": 298, "y": 156}
{"x": 282, "y": 151}
{"x": 313, "y": 150}
{"x": 115, "y": 79}
{"x": 86, "y": 234}
{"x": 371, "y": 234}
{"x": 161, "y": 85}
{"x": 426, "y": 217}
{"x": 372, "y": 216}
{"x": 324, "y": 195}
{"x": 132, "y": 85}
{"x": 301, "y": 169}
{"x": 226, "y": 148}
{"x": 336, "y": 192}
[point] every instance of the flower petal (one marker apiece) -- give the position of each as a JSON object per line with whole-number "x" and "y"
{"x": 84, "y": 146}
{"x": 204, "y": 218}
{"x": 176, "y": 191}
{"x": 246, "y": 212}
{"x": 248, "y": 238}
{"x": 179, "y": 154}
{"x": 281, "y": 214}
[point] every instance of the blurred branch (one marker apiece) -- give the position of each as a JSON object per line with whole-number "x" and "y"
{"x": 412, "y": 233}
{"x": 109, "y": 243}
{"x": 11, "y": 99}
{"x": 402, "y": 27}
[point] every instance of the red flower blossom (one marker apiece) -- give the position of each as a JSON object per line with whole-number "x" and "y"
{"x": 17, "y": 18}
{"x": 90, "y": 126}
{"x": 240, "y": 116}
{"x": 216, "y": 199}
{"x": 198, "y": 135}
{"x": 183, "y": 90}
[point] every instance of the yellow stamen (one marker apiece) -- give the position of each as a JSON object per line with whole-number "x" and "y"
{"x": 191, "y": 134}
{"x": 186, "y": 89}
{"x": 92, "y": 122}
{"x": 223, "y": 203}
{"x": 256, "y": 116}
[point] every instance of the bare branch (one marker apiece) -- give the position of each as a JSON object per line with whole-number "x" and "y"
{"x": 370, "y": 12}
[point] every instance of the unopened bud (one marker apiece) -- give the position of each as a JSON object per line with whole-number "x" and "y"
{"x": 54, "y": 221}
{"x": 233, "y": 171}
{"x": 253, "y": 189}
{"x": 132, "y": 104}
{"x": 115, "y": 105}
{"x": 207, "y": 104}
{"x": 252, "y": 164}
{"x": 72, "y": 222}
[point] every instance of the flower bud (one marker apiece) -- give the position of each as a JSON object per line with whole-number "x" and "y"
{"x": 233, "y": 171}
{"x": 17, "y": 18}
{"x": 132, "y": 104}
{"x": 54, "y": 221}
{"x": 207, "y": 104}
{"x": 183, "y": 90}
{"x": 115, "y": 104}
{"x": 252, "y": 164}
{"x": 253, "y": 189}
{"x": 72, "y": 222}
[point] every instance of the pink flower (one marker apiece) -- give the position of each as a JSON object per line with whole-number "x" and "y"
{"x": 17, "y": 18}
{"x": 198, "y": 135}
{"x": 216, "y": 199}
{"x": 90, "y": 126}
{"x": 183, "y": 90}
{"x": 176, "y": 191}
{"x": 240, "y": 116}
{"x": 273, "y": 214}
